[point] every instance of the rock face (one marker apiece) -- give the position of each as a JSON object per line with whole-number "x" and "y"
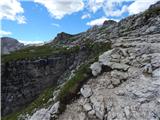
{"x": 62, "y": 38}
{"x": 109, "y": 22}
{"x": 23, "y": 80}
{"x": 157, "y": 5}
{"x": 9, "y": 44}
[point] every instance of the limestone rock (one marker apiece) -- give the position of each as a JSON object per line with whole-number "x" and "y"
{"x": 86, "y": 91}
{"x": 120, "y": 66}
{"x": 82, "y": 116}
{"x": 148, "y": 69}
{"x": 91, "y": 113}
{"x": 119, "y": 75}
{"x": 55, "y": 108}
{"x": 96, "y": 68}
{"x": 45, "y": 113}
{"x": 41, "y": 114}
{"x": 116, "y": 81}
{"x": 87, "y": 107}
{"x": 98, "y": 106}
{"x": 105, "y": 58}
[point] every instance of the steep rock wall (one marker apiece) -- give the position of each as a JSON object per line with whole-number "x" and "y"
{"x": 22, "y": 81}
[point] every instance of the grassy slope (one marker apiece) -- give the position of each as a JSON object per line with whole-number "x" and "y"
{"x": 34, "y": 52}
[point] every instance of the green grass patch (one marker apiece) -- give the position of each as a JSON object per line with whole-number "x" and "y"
{"x": 37, "y": 103}
{"x": 34, "y": 52}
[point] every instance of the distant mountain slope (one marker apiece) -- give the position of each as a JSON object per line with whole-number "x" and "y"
{"x": 10, "y": 44}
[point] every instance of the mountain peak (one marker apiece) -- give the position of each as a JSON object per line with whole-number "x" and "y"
{"x": 109, "y": 22}
{"x": 9, "y": 44}
{"x": 156, "y": 5}
{"x": 63, "y": 36}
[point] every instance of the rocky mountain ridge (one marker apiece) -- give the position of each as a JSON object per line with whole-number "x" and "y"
{"x": 120, "y": 82}
{"x": 9, "y": 45}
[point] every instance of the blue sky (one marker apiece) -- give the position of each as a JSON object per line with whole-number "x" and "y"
{"x": 34, "y": 21}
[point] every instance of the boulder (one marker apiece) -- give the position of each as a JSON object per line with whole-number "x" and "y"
{"x": 87, "y": 107}
{"x": 96, "y": 68}
{"x": 55, "y": 108}
{"x": 46, "y": 113}
{"x": 41, "y": 114}
{"x": 86, "y": 91}
{"x": 105, "y": 58}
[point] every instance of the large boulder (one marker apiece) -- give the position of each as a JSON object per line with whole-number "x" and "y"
{"x": 96, "y": 68}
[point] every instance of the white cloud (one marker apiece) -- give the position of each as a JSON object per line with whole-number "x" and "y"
{"x": 114, "y": 11}
{"x": 4, "y": 33}
{"x": 140, "y": 5}
{"x": 26, "y": 42}
{"x": 110, "y": 7}
{"x": 21, "y": 20}
{"x": 86, "y": 16}
{"x": 12, "y": 10}
{"x": 116, "y": 8}
{"x": 55, "y": 24}
{"x": 59, "y": 8}
{"x": 94, "y": 5}
{"x": 98, "y": 21}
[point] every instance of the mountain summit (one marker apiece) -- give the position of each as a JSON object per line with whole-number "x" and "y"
{"x": 9, "y": 45}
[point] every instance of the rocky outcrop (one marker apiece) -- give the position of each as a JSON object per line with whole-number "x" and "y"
{"x": 47, "y": 114}
{"x": 62, "y": 38}
{"x": 130, "y": 90}
{"x": 107, "y": 23}
{"x": 157, "y": 5}
{"x": 9, "y": 45}
{"x": 136, "y": 25}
